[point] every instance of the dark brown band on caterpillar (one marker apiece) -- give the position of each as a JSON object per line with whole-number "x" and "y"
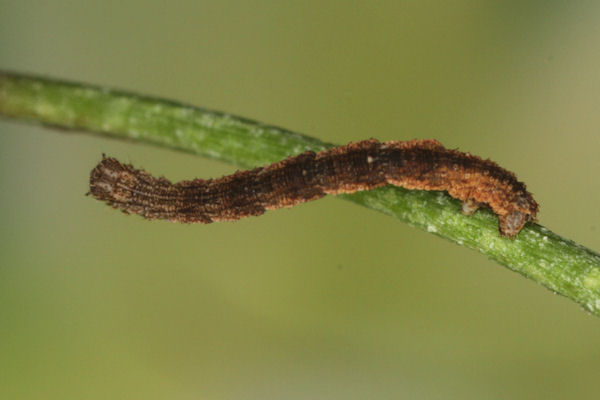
{"x": 415, "y": 164}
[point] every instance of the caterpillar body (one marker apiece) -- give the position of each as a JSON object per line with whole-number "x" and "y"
{"x": 365, "y": 165}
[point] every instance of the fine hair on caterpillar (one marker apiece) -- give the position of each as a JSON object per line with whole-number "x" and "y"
{"x": 365, "y": 165}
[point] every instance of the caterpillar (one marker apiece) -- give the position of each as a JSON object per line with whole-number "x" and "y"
{"x": 365, "y": 165}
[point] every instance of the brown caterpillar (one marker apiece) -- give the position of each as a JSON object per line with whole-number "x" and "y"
{"x": 415, "y": 164}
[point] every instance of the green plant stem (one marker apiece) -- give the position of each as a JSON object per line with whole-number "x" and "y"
{"x": 558, "y": 264}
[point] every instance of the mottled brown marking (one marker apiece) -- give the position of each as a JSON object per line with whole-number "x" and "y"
{"x": 415, "y": 164}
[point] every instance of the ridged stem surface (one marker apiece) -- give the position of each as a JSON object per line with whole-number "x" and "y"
{"x": 537, "y": 253}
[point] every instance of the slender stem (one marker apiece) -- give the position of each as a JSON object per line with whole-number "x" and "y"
{"x": 558, "y": 264}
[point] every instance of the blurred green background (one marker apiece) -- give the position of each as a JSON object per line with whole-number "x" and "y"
{"x": 325, "y": 300}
